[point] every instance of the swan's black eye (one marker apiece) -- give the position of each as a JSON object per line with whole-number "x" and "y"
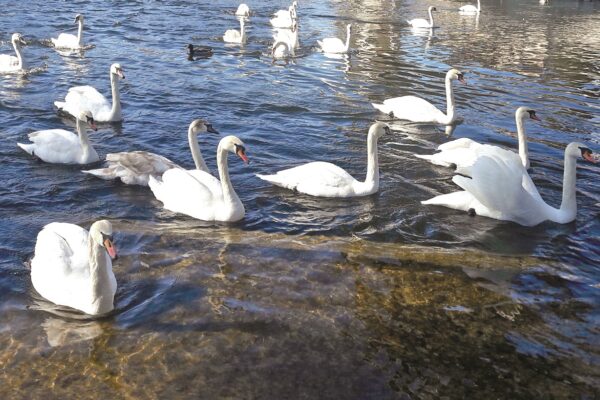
{"x": 104, "y": 237}
{"x": 585, "y": 150}
{"x": 387, "y": 130}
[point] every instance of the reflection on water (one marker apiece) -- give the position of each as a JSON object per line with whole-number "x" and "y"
{"x": 375, "y": 297}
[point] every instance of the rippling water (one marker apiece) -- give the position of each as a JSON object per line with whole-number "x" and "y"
{"x": 363, "y": 298}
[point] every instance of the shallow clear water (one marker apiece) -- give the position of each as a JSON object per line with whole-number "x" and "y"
{"x": 363, "y": 298}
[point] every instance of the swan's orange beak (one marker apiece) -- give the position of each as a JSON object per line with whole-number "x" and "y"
{"x": 461, "y": 78}
{"x": 110, "y": 248}
{"x": 242, "y": 154}
{"x": 589, "y": 156}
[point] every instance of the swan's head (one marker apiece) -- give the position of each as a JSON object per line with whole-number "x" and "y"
{"x": 378, "y": 129}
{"x": 78, "y": 18}
{"x": 87, "y": 117}
{"x": 432, "y": 8}
{"x": 295, "y": 4}
{"x": 577, "y": 150}
{"x": 17, "y": 39}
{"x": 199, "y": 126}
{"x": 101, "y": 232}
{"x": 523, "y": 112}
{"x": 235, "y": 146}
{"x": 116, "y": 69}
{"x": 456, "y": 74}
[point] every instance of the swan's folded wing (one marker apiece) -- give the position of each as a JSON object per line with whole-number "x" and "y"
{"x": 314, "y": 174}
{"x": 86, "y": 98}
{"x": 414, "y": 109}
{"x": 55, "y": 145}
{"x": 179, "y": 189}
{"x": 458, "y": 143}
{"x": 141, "y": 162}
{"x": 62, "y": 246}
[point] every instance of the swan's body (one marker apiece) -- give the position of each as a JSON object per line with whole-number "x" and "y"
{"x": 289, "y": 36}
{"x": 88, "y": 98}
{"x": 285, "y": 13}
{"x": 282, "y": 50}
{"x": 471, "y": 9}
{"x": 59, "y": 146}
{"x": 335, "y": 45}
{"x": 498, "y": 190}
{"x": 243, "y": 10}
{"x": 416, "y": 109}
{"x": 136, "y": 167}
{"x": 324, "y": 179}
{"x": 195, "y": 52}
{"x": 284, "y": 19}
{"x": 68, "y": 40}
{"x": 199, "y": 194}
{"x": 234, "y": 36}
{"x": 72, "y": 267}
{"x": 10, "y": 63}
{"x": 421, "y": 22}
{"x": 464, "y": 152}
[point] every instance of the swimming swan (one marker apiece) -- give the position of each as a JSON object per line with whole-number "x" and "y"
{"x": 199, "y": 194}
{"x": 324, "y": 179}
{"x": 335, "y": 45}
{"x": 136, "y": 167}
{"x": 423, "y": 23}
{"x": 72, "y": 267}
{"x": 471, "y": 9}
{"x": 10, "y": 63}
{"x": 416, "y": 109}
{"x": 69, "y": 41}
{"x": 285, "y": 19}
{"x": 58, "y": 146}
{"x": 464, "y": 152}
{"x": 88, "y": 98}
{"x": 497, "y": 190}
{"x": 233, "y": 36}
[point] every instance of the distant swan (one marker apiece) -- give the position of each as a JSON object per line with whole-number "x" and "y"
{"x": 423, "y": 23}
{"x": 498, "y": 190}
{"x": 58, "y": 146}
{"x": 325, "y": 179}
{"x": 199, "y": 194}
{"x": 243, "y": 10}
{"x": 416, "y": 109}
{"x": 73, "y": 268}
{"x": 335, "y": 45}
{"x": 87, "y": 97}
{"x": 233, "y": 36}
{"x": 10, "y": 63}
{"x": 464, "y": 152}
{"x": 471, "y": 9}
{"x": 284, "y": 20}
{"x": 69, "y": 41}
{"x": 136, "y": 167}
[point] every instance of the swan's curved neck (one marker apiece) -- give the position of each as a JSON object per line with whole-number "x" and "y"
{"x": 372, "y": 178}
{"x": 99, "y": 262}
{"x": 568, "y": 205}
{"x": 478, "y": 5}
{"x": 115, "y": 111}
{"x": 17, "y": 48}
{"x": 195, "y": 149}
{"x": 84, "y": 140}
{"x": 522, "y": 136}
{"x": 450, "y": 108}
{"x": 80, "y": 33}
{"x": 229, "y": 195}
{"x": 242, "y": 29}
{"x": 430, "y": 19}
{"x": 347, "y": 38}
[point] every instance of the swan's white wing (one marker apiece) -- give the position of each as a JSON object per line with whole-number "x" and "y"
{"x": 315, "y": 178}
{"x": 458, "y": 143}
{"x": 419, "y": 23}
{"x": 54, "y": 146}
{"x": 412, "y": 108}
{"x": 66, "y": 40}
{"x": 8, "y": 62}
{"x": 332, "y": 45}
{"x": 81, "y": 98}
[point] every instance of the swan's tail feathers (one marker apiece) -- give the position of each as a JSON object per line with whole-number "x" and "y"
{"x": 320, "y": 43}
{"x": 60, "y": 104}
{"x": 461, "y": 143}
{"x": 457, "y": 200}
{"x": 27, "y": 147}
{"x": 382, "y": 107}
{"x": 433, "y": 159}
{"x": 102, "y": 173}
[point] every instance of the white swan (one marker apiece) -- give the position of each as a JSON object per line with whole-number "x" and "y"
{"x": 416, "y": 109}
{"x": 59, "y": 146}
{"x": 243, "y": 10}
{"x": 335, "y": 45}
{"x": 72, "y": 267}
{"x": 290, "y": 36}
{"x": 88, "y": 98}
{"x": 471, "y": 9}
{"x": 69, "y": 41}
{"x": 285, "y": 13}
{"x": 284, "y": 20}
{"x": 464, "y": 152}
{"x": 10, "y": 63}
{"x": 423, "y": 23}
{"x": 199, "y": 194}
{"x": 324, "y": 179}
{"x": 234, "y": 36}
{"x": 497, "y": 190}
{"x": 135, "y": 167}
{"x": 282, "y": 50}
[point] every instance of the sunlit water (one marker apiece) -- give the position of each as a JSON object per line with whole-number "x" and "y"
{"x": 378, "y": 297}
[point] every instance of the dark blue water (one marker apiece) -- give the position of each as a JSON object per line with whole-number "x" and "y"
{"x": 279, "y": 269}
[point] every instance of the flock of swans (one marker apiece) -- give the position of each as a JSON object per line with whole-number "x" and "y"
{"x": 73, "y": 267}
